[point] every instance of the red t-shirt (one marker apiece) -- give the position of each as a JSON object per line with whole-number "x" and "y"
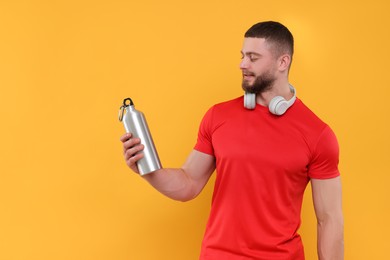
{"x": 263, "y": 165}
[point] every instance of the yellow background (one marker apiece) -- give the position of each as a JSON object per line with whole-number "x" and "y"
{"x": 66, "y": 66}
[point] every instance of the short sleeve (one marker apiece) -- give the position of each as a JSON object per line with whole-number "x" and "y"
{"x": 325, "y": 160}
{"x": 204, "y": 141}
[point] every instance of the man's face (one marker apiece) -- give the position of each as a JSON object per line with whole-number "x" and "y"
{"x": 258, "y": 66}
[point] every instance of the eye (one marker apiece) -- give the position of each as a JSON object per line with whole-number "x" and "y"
{"x": 252, "y": 58}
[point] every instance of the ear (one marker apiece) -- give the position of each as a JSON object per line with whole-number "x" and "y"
{"x": 284, "y": 62}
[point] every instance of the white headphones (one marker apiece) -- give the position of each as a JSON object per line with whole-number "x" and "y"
{"x": 277, "y": 106}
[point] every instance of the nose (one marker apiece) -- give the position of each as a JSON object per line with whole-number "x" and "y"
{"x": 243, "y": 64}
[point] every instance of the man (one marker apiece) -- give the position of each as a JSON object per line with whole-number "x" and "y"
{"x": 263, "y": 160}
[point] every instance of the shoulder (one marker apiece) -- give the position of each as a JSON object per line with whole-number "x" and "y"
{"x": 230, "y": 104}
{"x": 305, "y": 111}
{"x": 306, "y": 119}
{"x": 313, "y": 128}
{"x": 221, "y": 112}
{"x": 321, "y": 141}
{"x": 226, "y": 107}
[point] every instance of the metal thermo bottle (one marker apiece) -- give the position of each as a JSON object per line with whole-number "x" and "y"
{"x": 135, "y": 123}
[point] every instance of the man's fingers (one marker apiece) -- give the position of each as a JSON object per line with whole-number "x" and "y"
{"x": 131, "y": 152}
{"x": 129, "y": 143}
{"x": 125, "y": 137}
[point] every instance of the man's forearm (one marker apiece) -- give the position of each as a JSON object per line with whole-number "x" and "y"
{"x": 331, "y": 239}
{"x": 183, "y": 183}
{"x": 173, "y": 183}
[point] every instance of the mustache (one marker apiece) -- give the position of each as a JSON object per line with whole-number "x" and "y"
{"x": 248, "y": 73}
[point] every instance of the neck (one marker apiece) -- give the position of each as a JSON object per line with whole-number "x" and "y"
{"x": 281, "y": 89}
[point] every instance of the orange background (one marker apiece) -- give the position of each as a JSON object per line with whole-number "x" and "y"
{"x": 66, "y": 66}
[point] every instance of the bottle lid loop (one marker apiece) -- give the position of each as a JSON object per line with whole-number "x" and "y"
{"x": 121, "y": 113}
{"x": 126, "y": 102}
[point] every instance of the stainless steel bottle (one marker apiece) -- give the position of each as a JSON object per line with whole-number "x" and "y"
{"x": 135, "y": 123}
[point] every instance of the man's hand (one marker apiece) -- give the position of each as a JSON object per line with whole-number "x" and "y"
{"x": 132, "y": 151}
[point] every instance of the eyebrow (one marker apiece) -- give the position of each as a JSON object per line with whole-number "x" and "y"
{"x": 250, "y": 53}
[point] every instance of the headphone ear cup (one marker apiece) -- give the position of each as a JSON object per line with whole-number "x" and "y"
{"x": 278, "y": 105}
{"x": 249, "y": 100}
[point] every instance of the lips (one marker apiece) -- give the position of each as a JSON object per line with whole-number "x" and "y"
{"x": 247, "y": 75}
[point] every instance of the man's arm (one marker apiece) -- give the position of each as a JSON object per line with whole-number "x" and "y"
{"x": 183, "y": 183}
{"x": 330, "y": 223}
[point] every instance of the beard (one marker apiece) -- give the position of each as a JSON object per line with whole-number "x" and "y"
{"x": 262, "y": 83}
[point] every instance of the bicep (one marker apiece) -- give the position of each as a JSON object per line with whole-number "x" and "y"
{"x": 199, "y": 167}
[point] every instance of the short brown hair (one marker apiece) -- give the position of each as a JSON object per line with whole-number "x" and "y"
{"x": 274, "y": 33}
